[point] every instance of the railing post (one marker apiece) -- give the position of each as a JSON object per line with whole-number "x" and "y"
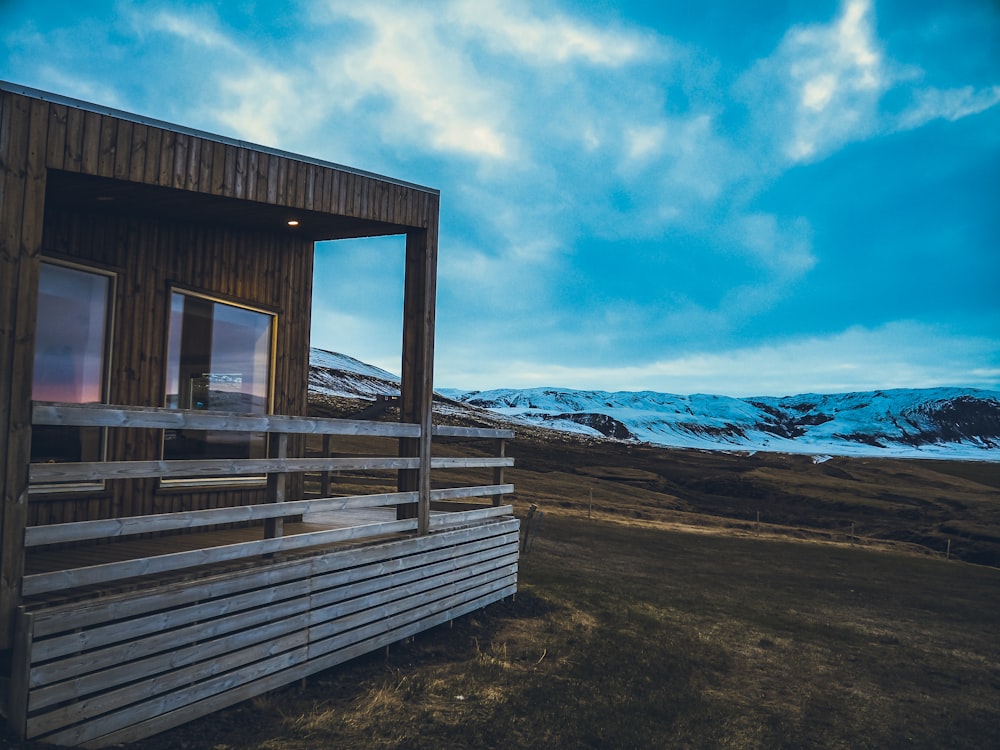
{"x": 501, "y": 446}
{"x": 276, "y": 485}
{"x": 324, "y": 477}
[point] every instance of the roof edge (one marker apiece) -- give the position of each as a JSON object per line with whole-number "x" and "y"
{"x": 16, "y": 88}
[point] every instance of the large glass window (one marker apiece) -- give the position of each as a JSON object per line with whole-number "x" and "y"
{"x": 71, "y": 342}
{"x": 219, "y": 358}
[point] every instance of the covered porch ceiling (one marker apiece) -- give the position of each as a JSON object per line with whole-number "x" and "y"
{"x": 88, "y": 193}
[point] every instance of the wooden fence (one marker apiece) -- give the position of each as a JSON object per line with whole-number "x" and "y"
{"x": 96, "y": 670}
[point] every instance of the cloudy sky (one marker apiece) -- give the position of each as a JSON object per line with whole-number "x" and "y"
{"x": 743, "y": 198}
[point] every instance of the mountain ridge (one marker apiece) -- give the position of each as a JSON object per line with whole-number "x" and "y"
{"x": 949, "y": 422}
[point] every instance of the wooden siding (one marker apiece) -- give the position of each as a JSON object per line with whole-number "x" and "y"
{"x": 23, "y": 140}
{"x": 191, "y": 209}
{"x": 149, "y": 257}
{"x": 124, "y": 667}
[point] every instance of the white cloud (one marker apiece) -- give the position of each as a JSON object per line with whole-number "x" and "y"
{"x": 824, "y": 87}
{"x": 782, "y": 248}
{"x": 644, "y": 143}
{"x": 191, "y": 28}
{"x": 435, "y": 92}
{"x": 949, "y": 104}
{"x": 518, "y": 28}
{"x": 821, "y": 87}
{"x": 902, "y": 354}
{"x": 427, "y": 64}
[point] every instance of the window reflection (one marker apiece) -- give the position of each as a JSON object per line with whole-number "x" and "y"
{"x": 219, "y": 359}
{"x": 70, "y": 354}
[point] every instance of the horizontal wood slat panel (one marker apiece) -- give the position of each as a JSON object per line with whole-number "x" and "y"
{"x": 95, "y": 471}
{"x": 41, "y": 583}
{"x": 52, "y": 618}
{"x": 471, "y": 463}
{"x": 36, "y": 536}
{"x": 100, "y": 415}
{"x": 131, "y": 673}
{"x": 444, "y": 430}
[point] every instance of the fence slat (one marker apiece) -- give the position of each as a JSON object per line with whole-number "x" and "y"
{"x": 103, "y": 415}
{"x": 98, "y": 470}
{"x": 41, "y": 583}
{"x": 36, "y": 536}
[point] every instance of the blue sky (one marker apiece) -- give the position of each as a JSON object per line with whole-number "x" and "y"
{"x": 743, "y": 198}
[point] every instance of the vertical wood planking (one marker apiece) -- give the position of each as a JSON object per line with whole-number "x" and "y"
{"x": 269, "y": 270}
{"x": 178, "y": 173}
{"x": 123, "y": 150}
{"x": 13, "y": 150}
{"x": 108, "y": 143}
{"x": 273, "y": 175}
{"x": 154, "y": 145}
{"x": 252, "y": 175}
{"x": 240, "y": 179}
{"x": 218, "y": 168}
{"x": 229, "y": 172}
{"x": 23, "y": 154}
{"x": 167, "y": 141}
{"x": 73, "y": 155}
{"x": 55, "y": 153}
{"x": 139, "y": 148}
{"x": 91, "y": 143}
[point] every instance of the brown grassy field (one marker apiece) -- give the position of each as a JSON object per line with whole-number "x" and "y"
{"x": 654, "y": 611}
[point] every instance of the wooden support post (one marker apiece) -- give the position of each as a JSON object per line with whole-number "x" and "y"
{"x": 417, "y": 381}
{"x": 23, "y": 133}
{"x": 501, "y": 446}
{"x": 20, "y": 673}
{"x": 277, "y": 484}
{"x": 324, "y": 481}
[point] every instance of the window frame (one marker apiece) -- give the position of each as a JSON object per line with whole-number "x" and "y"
{"x": 239, "y": 482}
{"x": 111, "y": 298}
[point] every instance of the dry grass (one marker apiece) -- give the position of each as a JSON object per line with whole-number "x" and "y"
{"x": 631, "y": 630}
{"x": 629, "y": 636}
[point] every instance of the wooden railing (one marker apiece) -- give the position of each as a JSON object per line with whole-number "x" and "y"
{"x": 272, "y": 512}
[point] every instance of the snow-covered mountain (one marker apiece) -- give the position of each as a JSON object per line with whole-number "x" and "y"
{"x": 961, "y": 423}
{"x": 332, "y": 374}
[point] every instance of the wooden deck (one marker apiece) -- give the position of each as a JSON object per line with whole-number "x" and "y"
{"x": 129, "y": 626}
{"x": 119, "y": 667}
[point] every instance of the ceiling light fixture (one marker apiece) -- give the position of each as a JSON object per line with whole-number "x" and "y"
{"x": 293, "y": 222}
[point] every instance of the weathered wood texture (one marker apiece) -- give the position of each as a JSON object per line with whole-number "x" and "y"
{"x": 103, "y": 415}
{"x": 124, "y": 667}
{"x": 65, "y": 580}
{"x": 24, "y": 125}
{"x": 417, "y": 368}
{"x": 64, "y": 533}
{"x": 160, "y": 205}
{"x": 278, "y": 505}
{"x": 163, "y": 207}
{"x": 149, "y": 257}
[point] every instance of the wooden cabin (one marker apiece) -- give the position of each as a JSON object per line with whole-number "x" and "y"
{"x": 161, "y": 555}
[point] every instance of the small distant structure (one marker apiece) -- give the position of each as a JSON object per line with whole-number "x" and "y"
{"x": 166, "y": 550}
